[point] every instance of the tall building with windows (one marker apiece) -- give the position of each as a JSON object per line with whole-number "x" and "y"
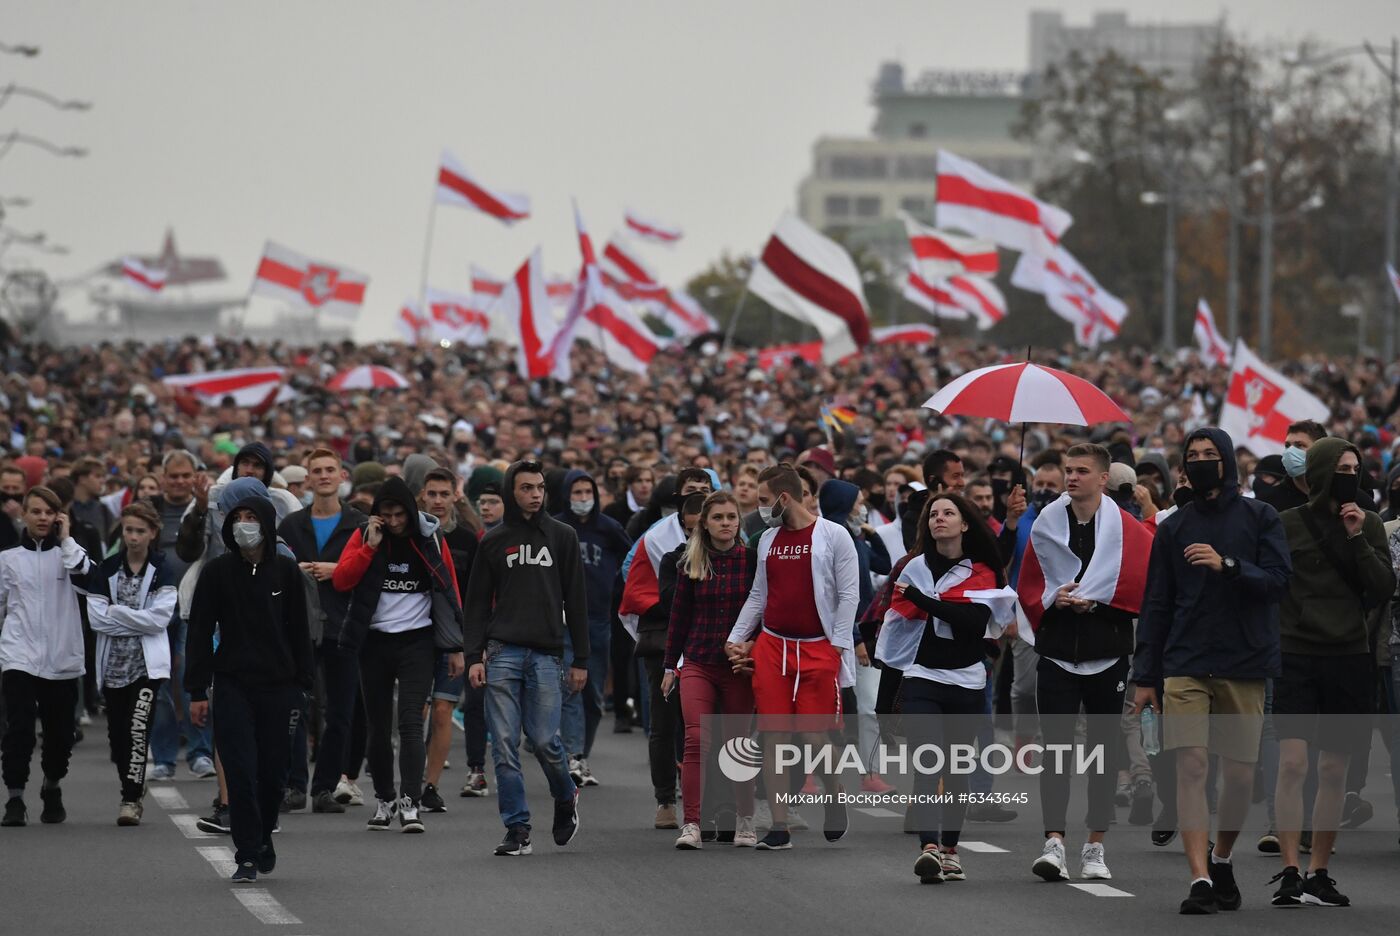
{"x": 1175, "y": 49}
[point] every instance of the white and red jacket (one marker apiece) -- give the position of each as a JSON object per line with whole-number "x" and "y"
{"x": 642, "y": 588}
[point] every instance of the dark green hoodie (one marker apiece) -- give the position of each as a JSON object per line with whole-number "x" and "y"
{"x": 1322, "y": 615}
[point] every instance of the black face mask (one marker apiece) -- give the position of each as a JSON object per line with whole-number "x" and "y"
{"x": 1044, "y": 498}
{"x": 1344, "y": 487}
{"x": 1183, "y": 496}
{"x": 1262, "y": 487}
{"x": 1205, "y": 476}
{"x": 875, "y": 500}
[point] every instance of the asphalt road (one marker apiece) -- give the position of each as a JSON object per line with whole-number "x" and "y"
{"x": 619, "y": 876}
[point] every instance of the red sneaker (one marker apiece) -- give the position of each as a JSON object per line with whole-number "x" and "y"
{"x": 874, "y": 783}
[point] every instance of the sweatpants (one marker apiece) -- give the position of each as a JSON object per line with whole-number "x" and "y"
{"x": 1059, "y": 695}
{"x": 131, "y": 710}
{"x": 30, "y": 699}
{"x": 340, "y": 675}
{"x": 253, "y": 732}
{"x": 925, "y": 704}
{"x": 408, "y": 659}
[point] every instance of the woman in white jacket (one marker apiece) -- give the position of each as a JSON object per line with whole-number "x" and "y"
{"x": 130, "y": 603}
{"x": 41, "y": 652}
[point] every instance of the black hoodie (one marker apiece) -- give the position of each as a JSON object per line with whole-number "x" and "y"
{"x": 258, "y": 610}
{"x": 527, "y": 583}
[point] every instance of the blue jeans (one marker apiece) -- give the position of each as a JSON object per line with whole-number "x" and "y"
{"x": 571, "y": 718}
{"x": 599, "y": 656}
{"x": 165, "y": 733}
{"x": 524, "y": 690}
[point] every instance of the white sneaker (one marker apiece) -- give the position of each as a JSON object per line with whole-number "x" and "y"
{"x": 1091, "y": 863}
{"x": 689, "y": 839}
{"x": 576, "y": 770}
{"x": 357, "y": 797}
{"x": 383, "y": 815}
{"x": 587, "y": 772}
{"x": 762, "y": 815}
{"x": 1051, "y": 863}
{"x": 796, "y": 823}
{"x": 744, "y": 835}
{"x": 408, "y": 816}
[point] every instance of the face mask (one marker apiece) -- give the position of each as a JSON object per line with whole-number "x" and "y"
{"x": 1261, "y": 487}
{"x": 306, "y": 498}
{"x": 1344, "y": 487}
{"x": 1183, "y": 496}
{"x": 581, "y": 508}
{"x": 861, "y": 515}
{"x": 247, "y": 535}
{"x": 1295, "y": 461}
{"x": 1000, "y": 488}
{"x": 1204, "y": 476}
{"x": 770, "y": 516}
{"x": 343, "y": 491}
{"x": 1043, "y": 499}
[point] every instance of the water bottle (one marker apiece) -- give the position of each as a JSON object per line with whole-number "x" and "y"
{"x": 1151, "y": 736}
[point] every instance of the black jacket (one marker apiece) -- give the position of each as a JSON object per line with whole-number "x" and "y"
{"x": 299, "y": 534}
{"x": 1099, "y": 634}
{"x": 1196, "y": 622}
{"x": 259, "y": 611}
{"x": 527, "y": 584}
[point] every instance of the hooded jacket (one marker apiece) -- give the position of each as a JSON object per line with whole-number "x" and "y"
{"x": 1324, "y": 614}
{"x": 415, "y": 469}
{"x": 602, "y": 546}
{"x": 1196, "y": 622}
{"x": 149, "y": 621}
{"x": 200, "y": 536}
{"x": 527, "y": 585}
{"x": 1390, "y": 503}
{"x": 663, "y": 495}
{"x": 837, "y": 499}
{"x": 298, "y": 532}
{"x": 257, "y": 608}
{"x": 41, "y": 629}
{"x": 362, "y": 569}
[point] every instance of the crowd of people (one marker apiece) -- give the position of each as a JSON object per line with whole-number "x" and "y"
{"x": 290, "y": 587}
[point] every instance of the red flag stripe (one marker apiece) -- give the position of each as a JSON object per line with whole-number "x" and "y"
{"x": 935, "y": 293}
{"x": 537, "y": 362}
{"x": 220, "y": 386}
{"x": 477, "y": 196}
{"x": 818, "y": 288}
{"x": 648, "y": 230}
{"x": 626, "y": 264}
{"x": 970, "y": 294}
{"x": 639, "y": 346}
{"x": 290, "y": 277}
{"x": 955, "y": 190}
{"x": 933, "y": 248}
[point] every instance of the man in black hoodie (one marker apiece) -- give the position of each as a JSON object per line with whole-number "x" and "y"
{"x": 260, "y": 671}
{"x": 1209, "y": 635}
{"x": 526, "y": 572}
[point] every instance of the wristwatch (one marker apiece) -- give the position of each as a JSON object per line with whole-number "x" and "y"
{"x": 1229, "y": 566}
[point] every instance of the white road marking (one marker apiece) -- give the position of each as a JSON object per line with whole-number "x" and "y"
{"x": 1100, "y": 890}
{"x": 169, "y": 799}
{"x": 186, "y": 824}
{"x": 264, "y": 906}
{"x": 982, "y": 847}
{"x": 877, "y": 812}
{"x": 220, "y": 857}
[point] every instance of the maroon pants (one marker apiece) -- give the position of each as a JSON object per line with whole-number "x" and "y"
{"x": 709, "y": 689}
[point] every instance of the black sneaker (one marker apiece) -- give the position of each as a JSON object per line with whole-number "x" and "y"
{"x": 516, "y": 842}
{"x": 1163, "y": 837}
{"x": 566, "y": 820}
{"x": 990, "y": 812}
{"x": 1222, "y": 879}
{"x": 1268, "y": 843}
{"x": 1201, "y": 901}
{"x": 53, "y": 812}
{"x": 217, "y": 823}
{"x": 431, "y": 800}
{"x": 325, "y": 802}
{"x": 775, "y": 840}
{"x": 1141, "y": 812}
{"x": 246, "y": 873}
{"x": 1290, "y": 890}
{"x": 293, "y": 801}
{"x": 1356, "y": 812}
{"x": 835, "y": 822}
{"x": 15, "y": 813}
{"x": 1305, "y": 842}
{"x": 267, "y": 859}
{"x": 1319, "y": 890}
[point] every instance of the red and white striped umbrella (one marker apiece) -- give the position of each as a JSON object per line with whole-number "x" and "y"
{"x": 368, "y": 377}
{"x": 1026, "y": 393}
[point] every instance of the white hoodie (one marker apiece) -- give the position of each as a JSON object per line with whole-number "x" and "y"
{"x": 42, "y": 630}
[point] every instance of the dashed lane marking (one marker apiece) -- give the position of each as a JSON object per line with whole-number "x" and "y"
{"x": 982, "y": 847}
{"x": 169, "y": 799}
{"x": 1100, "y": 890}
{"x": 187, "y": 825}
{"x": 264, "y": 906}
{"x": 219, "y": 857}
{"x": 878, "y": 812}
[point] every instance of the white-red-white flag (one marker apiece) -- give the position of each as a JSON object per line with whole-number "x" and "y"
{"x": 933, "y": 297}
{"x": 410, "y": 323}
{"x": 810, "y": 277}
{"x": 1394, "y": 279}
{"x": 972, "y": 199}
{"x": 486, "y": 288}
{"x": 905, "y": 334}
{"x": 1208, "y": 340}
{"x": 651, "y": 230}
{"x": 456, "y": 317}
{"x": 938, "y": 254}
{"x": 145, "y": 278}
{"x": 980, "y": 297}
{"x": 523, "y": 311}
{"x": 455, "y": 186}
{"x": 1073, "y": 294}
{"x": 626, "y": 273}
{"x": 298, "y": 280}
{"x": 1262, "y": 403}
{"x": 248, "y": 386}
{"x": 601, "y": 317}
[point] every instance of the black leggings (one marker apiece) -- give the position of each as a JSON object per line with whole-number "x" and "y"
{"x": 665, "y": 733}
{"x": 130, "y": 710}
{"x": 1058, "y": 696}
{"x": 52, "y": 702}
{"x": 409, "y": 659}
{"x": 925, "y": 701}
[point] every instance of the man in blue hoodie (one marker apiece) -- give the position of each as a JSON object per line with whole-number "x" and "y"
{"x": 1209, "y": 637}
{"x": 603, "y": 544}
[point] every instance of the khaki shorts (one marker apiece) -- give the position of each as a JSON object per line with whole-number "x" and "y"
{"x": 1224, "y": 715}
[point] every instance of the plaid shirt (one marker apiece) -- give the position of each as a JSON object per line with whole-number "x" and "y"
{"x": 703, "y": 612}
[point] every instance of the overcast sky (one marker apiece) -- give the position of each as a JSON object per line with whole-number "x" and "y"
{"x": 319, "y": 124}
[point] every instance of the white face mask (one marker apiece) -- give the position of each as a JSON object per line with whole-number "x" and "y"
{"x": 581, "y": 508}
{"x": 771, "y": 516}
{"x": 247, "y": 535}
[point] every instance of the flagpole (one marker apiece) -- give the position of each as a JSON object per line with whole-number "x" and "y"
{"x": 427, "y": 254}
{"x": 734, "y": 319}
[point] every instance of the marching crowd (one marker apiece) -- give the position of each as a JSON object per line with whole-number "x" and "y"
{"x": 298, "y": 588}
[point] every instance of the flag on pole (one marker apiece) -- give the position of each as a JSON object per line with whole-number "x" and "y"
{"x": 626, "y": 273}
{"x": 933, "y": 297}
{"x": 599, "y": 316}
{"x": 455, "y": 186}
{"x": 651, "y": 230}
{"x": 1262, "y": 403}
{"x": 1212, "y": 346}
{"x": 1394, "y": 279}
{"x": 1073, "y": 294}
{"x": 523, "y": 310}
{"x": 980, "y": 297}
{"x": 905, "y": 334}
{"x": 938, "y": 253}
{"x": 810, "y": 277}
{"x": 143, "y": 277}
{"x": 248, "y": 386}
{"x": 972, "y": 199}
{"x": 412, "y": 325}
{"x": 298, "y": 280}
{"x": 457, "y": 318}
